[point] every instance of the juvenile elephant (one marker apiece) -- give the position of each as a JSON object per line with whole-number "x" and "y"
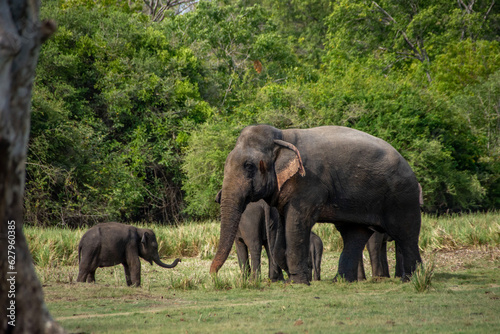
{"x": 377, "y": 249}
{"x": 109, "y": 244}
{"x": 258, "y": 227}
{"x": 331, "y": 174}
{"x": 315, "y": 255}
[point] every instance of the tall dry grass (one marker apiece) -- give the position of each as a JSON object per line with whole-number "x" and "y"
{"x": 59, "y": 246}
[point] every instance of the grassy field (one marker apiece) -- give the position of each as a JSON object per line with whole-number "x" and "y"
{"x": 464, "y": 295}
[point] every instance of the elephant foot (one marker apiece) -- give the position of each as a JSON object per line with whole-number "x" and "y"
{"x": 347, "y": 278}
{"x": 278, "y": 279}
{"x": 405, "y": 278}
{"x": 298, "y": 279}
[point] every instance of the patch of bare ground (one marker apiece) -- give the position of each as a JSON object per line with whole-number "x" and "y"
{"x": 464, "y": 258}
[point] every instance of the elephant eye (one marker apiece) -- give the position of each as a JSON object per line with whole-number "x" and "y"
{"x": 250, "y": 168}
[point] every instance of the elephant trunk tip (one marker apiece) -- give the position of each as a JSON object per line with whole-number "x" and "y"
{"x": 214, "y": 268}
{"x": 164, "y": 265}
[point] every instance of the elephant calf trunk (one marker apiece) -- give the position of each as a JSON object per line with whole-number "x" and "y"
{"x": 164, "y": 265}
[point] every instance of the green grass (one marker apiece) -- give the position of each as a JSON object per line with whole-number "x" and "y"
{"x": 459, "y": 287}
{"x": 463, "y": 297}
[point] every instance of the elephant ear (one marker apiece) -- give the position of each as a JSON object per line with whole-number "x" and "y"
{"x": 288, "y": 162}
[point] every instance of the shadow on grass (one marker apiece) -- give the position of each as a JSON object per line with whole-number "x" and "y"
{"x": 463, "y": 279}
{"x": 450, "y": 276}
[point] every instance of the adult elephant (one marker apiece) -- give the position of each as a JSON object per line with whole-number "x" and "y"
{"x": 332, "y": 174}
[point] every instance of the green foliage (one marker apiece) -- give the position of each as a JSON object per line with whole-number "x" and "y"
{"x": 133, "y": 119}
{"x": 112, "y": 104}
{"x": 206, "y": 154}
{"x": 465, "y": 63}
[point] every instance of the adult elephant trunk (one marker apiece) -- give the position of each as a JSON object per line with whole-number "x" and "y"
{"x": 231, "y": 211}
{"x": 164, "y": 265}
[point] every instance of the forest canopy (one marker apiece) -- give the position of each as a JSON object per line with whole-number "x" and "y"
{"x": 135, "y": 108}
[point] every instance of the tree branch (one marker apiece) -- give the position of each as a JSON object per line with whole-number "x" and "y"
{"x": 489, "y": 10}
{"x": 418, "y": 51}
{"x": 405, "y": 37}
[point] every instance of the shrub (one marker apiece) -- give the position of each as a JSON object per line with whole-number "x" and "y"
{"x": 421, "y": 279}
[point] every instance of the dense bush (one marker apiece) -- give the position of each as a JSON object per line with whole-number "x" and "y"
{"x": 132, "y": 119}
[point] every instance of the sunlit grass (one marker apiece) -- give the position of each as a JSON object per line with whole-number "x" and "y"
{"x": 460, "y": 230}
{"x": 463, "y": 295}
{"x": 59, "y": 246}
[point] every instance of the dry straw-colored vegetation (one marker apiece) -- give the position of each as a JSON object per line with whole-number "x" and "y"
{"x": 59, "y": 246}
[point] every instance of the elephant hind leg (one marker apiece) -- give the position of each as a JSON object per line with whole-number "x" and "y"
{"x": 82, "y": 272}
{"x": 406, "y": 237}
{"x": 91, "y": 277}
{"x": 410, "y": 256}
{"x": 82, "y": 276}
{"x": 355, "y": 237}
{"x": 128, "y": 278}
{"x": 88, "y": 265}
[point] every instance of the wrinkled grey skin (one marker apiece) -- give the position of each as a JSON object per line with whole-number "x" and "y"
{"x": 315, "y": 256}
{"x": 109, "y": 244}
{"x": 331, "y": 174}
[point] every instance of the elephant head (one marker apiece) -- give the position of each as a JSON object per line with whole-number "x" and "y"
{"x": 148, "y": 249}
{"x": 257, "y": 168}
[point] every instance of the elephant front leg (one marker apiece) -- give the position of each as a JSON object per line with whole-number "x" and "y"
{"x": 297, "y": 232}
{"x": 355, "y": 238}
{"x": 133, "y": 266}
{"x": 127, "y": 274}
{"x": 242, "y": 252}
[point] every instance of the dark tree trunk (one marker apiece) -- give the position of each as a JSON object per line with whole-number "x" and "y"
{"x": 21, "y": 296}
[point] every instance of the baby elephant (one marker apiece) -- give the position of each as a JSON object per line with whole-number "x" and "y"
{"x": 109, "y": 244}
{"x": 316, "y": 253}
